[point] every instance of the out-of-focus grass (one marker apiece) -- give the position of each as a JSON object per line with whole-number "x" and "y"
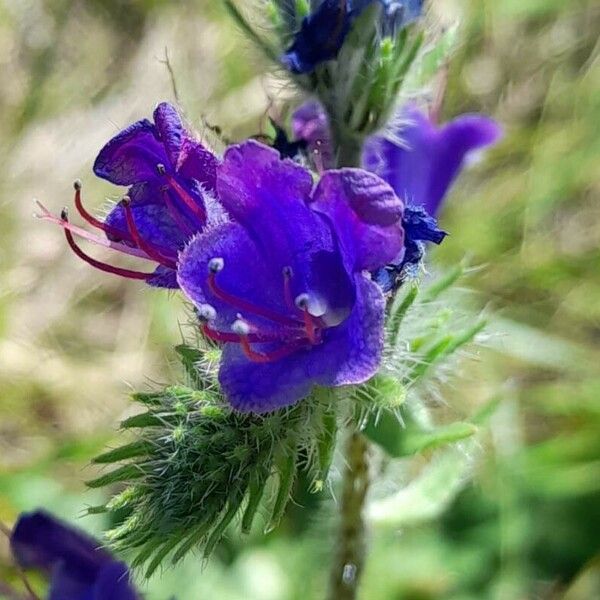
{"x": 71, "y": 340}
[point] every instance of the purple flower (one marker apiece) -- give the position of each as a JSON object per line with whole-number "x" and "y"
{"x": 78, "y": 567}
{"x": 170, "y": 198}
{"x": 418, "y": 159}
{"x": 421, "y": 160}
{"x": 283, "y": 285}
{"x": 323, "y": 32}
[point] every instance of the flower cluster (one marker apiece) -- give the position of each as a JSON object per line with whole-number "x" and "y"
{"x": 288, "y": 276}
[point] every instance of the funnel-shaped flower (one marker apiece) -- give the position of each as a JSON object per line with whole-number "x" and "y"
{"x": 421, "y": 160}
{"x": 170, "y": 198}
{"x": 283, "y": 285}
{"x": 77, "y": 565}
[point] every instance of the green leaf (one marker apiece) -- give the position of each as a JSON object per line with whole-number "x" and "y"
{"x": 397, "y": 439}
{"x": 125, "y": 473}
{"x": 139, "y": 448}
{"x": 190, "y": 357}
{"x": 428, "y": 495}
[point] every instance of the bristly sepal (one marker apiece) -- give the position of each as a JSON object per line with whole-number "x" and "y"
{"x": 196, "y": 466}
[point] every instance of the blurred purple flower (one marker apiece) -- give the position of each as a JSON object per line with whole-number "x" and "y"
{"x": 283, "y": 284}
{"x": 419, "y": 159}
{"x": 79, "y": 569}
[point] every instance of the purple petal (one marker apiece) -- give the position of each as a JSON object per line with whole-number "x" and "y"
{"x": 310, "y": 124}
{"x": 132, "y": 155}
{"x": 422, "y": 161}
{"x": 268, "y": 197}
{"x": 41, "y": 541}
{"x": 113, "y": 582}
{"x": 199, "y": 163}
{"x": 164, "y": 277}
{"x": 244, "y": 274}
{"x": 170, "y": 130}
{"x": 366, "y": 215}
{"x": 152, "y": 218}
{"x": 350, "y": 353}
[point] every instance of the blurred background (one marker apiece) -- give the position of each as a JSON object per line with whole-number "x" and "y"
{"x": 515, "y": 514}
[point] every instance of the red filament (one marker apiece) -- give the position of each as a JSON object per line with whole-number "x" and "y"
{"x": 141, "y": 243}
{"x": 127, "y": 273}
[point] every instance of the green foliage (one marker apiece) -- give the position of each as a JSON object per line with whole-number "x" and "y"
{"x": 197, "y": 464}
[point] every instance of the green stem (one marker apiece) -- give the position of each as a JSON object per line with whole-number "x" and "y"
{"x": 351, "y": 544}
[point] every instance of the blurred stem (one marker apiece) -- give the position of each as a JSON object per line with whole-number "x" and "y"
{"x": 351, "y": 545}
{"x": 348, "y": 146}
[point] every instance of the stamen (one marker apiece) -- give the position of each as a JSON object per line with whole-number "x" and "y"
{"x": 46, "y": 215}
{"x": 302, "y": 302}
{"x": 90, "y": 218}
{"x": 217, "y": 264}
{"x": 139, "y": 241}
{"x": 189, "y": 201}
{"x": 267, "y": 357}
{"x": 175, "y": 214}
{"x": 128, "y": 273}
{"x": 206, "y": 314}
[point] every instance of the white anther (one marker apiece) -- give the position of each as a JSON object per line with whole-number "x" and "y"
{"x": 301, "y": 301}
{"x": 216, "y": 264}
{"x": 240, "y": 327}
{"x": 206, "y": 312}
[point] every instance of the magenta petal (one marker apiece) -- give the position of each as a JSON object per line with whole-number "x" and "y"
{"x": 421, "y": 161}
{"x": 350, "y": 353}
{"x": 131, "y": 156}
{"x": 170, "y": 130}
{"x": 366, "y": 215}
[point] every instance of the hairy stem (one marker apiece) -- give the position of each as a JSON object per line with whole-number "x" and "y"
{"x": 351, "y": 544}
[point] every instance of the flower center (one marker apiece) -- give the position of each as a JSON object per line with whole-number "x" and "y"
{"x": 288, "y": 331}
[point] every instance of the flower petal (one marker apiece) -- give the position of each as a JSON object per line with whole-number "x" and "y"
{"x": 41, "y": 541}
{"x": 420, "y": 161}
{"x": 170, "y": 130}
{"x": 199, "y": 163}
{"x": 269, "y": 198}
{"x": 152, "y": 218}
{"x": 132, "y": 155}
{"x": 244, "y": 274}
{"x": 366, "y": 215}
{"x": 114, "y": 582}
{"x": 350, "y": 353}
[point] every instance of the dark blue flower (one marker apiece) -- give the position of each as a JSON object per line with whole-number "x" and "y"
{"x": 283, "y": 284}
{"x": 320, "y": 37}
{"x": 323, "y": 32}
{"x": 170, "y": 198}
{"x": 79, "y": 569}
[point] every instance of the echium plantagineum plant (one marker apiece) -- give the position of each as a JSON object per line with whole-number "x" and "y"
{"x": 301, "y": 259}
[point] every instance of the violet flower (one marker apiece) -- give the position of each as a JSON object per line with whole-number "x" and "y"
{"x": 79, "y": 569}
{"x": 283, "y": 285}
{"x": 323, "y": 32}
{"x": 170, "y": 198}
{"x": 419, "y": 159}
